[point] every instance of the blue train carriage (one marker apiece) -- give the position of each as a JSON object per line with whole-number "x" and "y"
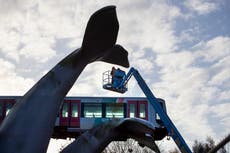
{"x": 78, "y": 114}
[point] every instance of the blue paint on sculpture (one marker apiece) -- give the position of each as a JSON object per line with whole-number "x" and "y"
{"x": 28, "y": 127}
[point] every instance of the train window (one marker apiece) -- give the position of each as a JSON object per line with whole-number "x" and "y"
{"x": 114, "y": 110}
{"x": 65, "y": 110}
{"x": 92, "y": 110}
{"x": 132, "y": 110}
{"x": 8, "y": 107}
{"x": 142, "y": 111}
{"x": 74, "y": 107}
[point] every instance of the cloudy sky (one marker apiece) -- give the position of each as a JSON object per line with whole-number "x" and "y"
{"x": 181, "y": 48}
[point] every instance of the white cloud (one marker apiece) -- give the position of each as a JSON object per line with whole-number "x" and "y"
{"x": 222, "y": 112}
{"x": 201, "y": 6}
{"x": 175, "y": 61}
{"x": 191, "y": 89}
{"x": 10, "y": 82}
{"x": 214, "y": 49}
{"x": 9, "y": 43}
{"x": 144, "y": 64}
{"x": 30, "y": 28}
{"x": 152, "y": 26}
{"x": 221, "y": 77}
{"x": 215, "y": 52}
{"x": 225, "y": 95}
{"x": 38, "y": 50}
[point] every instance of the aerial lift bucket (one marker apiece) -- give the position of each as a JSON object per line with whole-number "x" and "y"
{"x": 113, "y": 81}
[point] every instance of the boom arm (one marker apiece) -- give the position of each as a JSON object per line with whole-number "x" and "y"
{"x": 172, "y": 130}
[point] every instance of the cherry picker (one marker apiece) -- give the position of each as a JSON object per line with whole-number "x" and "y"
{"x": 117, "y": 81}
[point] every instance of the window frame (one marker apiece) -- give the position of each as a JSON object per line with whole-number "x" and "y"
{"x": 116, "y": 105}
{"x": 83, "y": 114}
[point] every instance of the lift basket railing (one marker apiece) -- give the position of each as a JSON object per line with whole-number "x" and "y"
{"x": 108, "y": 83}
{"x": 107, "y": 78}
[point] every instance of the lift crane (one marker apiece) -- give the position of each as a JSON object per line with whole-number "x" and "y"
{"x": 117, "y": 81}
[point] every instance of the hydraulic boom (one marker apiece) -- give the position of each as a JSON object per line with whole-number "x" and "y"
{"x": 171, "y": 128}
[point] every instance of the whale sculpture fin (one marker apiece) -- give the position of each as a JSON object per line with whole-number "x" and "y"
{"x": 116, "y": 55}
{"x": 101, "y": 31}
{"x": 100, "y": 38}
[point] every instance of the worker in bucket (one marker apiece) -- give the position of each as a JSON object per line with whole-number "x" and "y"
{"x": 117, "y": 77}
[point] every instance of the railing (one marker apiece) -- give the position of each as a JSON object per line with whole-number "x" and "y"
{"x": 112, "y": 84}
{"x": 107, "y": 78}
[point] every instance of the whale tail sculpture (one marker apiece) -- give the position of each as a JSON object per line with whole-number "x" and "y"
{"x": 101, "y": 35}
{"x": 100, "y": 38}
{"x": 29, "y": 125}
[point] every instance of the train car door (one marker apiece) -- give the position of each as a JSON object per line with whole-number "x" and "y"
{"x": 132, "y": 109}
{"x": 70, "y": 113}
{"x": 75, "y": 113}
{"x": 64, "y": 114}
{"x": 138, "y": 109}
{"x": 143, "y": 109}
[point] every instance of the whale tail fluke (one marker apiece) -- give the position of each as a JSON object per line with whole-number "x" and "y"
{"x": 116, "y": 55}
{"x": 100, "y": 38}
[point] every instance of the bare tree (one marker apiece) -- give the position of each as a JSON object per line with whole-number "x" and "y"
{"x": 203, "y": 147}
{"x": 174, "y": 151}
{"x": 209, "y": 146}
{"x": 125, "y": 147}
{"x": 220, "y": 145}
